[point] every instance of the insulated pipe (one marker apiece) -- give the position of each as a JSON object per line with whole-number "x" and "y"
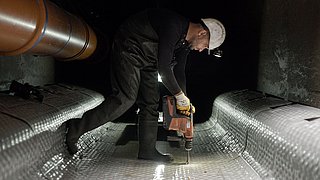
{"x": 40, "y": 27}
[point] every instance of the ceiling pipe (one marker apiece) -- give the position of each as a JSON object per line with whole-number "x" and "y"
{"x": 40, "y": 27}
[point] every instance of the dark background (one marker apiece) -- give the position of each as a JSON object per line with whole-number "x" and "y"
{"x": 207, "y": 76}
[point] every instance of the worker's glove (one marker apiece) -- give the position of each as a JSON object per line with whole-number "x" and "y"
{"x": 188, "y": 113}
{"x": 183, "y": 104}
{"x": 193, "y": 109}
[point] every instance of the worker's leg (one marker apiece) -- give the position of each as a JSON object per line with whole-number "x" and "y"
{"x": 148, "y": 102}
{"x": 125, "y": 79}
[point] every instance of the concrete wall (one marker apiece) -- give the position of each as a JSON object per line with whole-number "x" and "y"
{"x": 287, "y": 49}
{"x": 26, "y": 69}
{"x": 289, "y": 60}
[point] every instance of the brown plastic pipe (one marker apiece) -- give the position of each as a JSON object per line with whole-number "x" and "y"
{"x": 40, "y": 27}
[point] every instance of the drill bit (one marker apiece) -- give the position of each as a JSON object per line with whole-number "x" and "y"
{"x": 188, "y": 157}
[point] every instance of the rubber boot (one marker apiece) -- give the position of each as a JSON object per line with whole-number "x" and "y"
{"x": 147, "y": 134}
{"x": 71, "y": 136}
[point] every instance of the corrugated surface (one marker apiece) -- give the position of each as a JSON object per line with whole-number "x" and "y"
{"x": 104, "y": 159}
{"x": 248, "y": 136}
{"x": 31, "y": 131}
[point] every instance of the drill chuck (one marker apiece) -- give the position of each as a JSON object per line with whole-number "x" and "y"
{"x": 188, "y": 145}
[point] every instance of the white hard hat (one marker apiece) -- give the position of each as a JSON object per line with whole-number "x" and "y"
{"x": 217, "y": 32}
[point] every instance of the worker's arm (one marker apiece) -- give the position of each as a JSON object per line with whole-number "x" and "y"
{"x": 167, "y": 63}
{"x": 171, "y": 29}
{"x": 180, "y": 68}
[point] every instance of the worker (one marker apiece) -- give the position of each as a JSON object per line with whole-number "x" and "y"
{"x": 151, "y": 42}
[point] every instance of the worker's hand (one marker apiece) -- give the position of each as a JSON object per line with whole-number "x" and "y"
{"x": 182, "y": 102}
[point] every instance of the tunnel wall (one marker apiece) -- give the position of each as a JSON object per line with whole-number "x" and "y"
{"x": 26, "y": 69}
{"x": 278, "y": 138}
{"x": 289, "y": 58}
{"x": 32, "y": 131}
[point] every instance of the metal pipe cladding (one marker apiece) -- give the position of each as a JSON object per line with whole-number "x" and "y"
{"x": 40, "y": 27}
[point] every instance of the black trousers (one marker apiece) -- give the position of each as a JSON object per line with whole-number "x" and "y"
{"x": 134, "y": 79}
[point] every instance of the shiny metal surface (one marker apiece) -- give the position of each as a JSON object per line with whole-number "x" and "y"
{"x": 31, "y": 132}
{"x": 101, "y": 158}
{"x": 40, "y": 27}
{"x": 248, "y": 136}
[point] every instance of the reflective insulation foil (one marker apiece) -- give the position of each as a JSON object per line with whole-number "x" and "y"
{"x": 32, "y": 132}
{"x": 249, "y": 136}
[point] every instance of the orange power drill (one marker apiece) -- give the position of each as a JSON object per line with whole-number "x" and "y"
{"x": 172, "y": 120}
